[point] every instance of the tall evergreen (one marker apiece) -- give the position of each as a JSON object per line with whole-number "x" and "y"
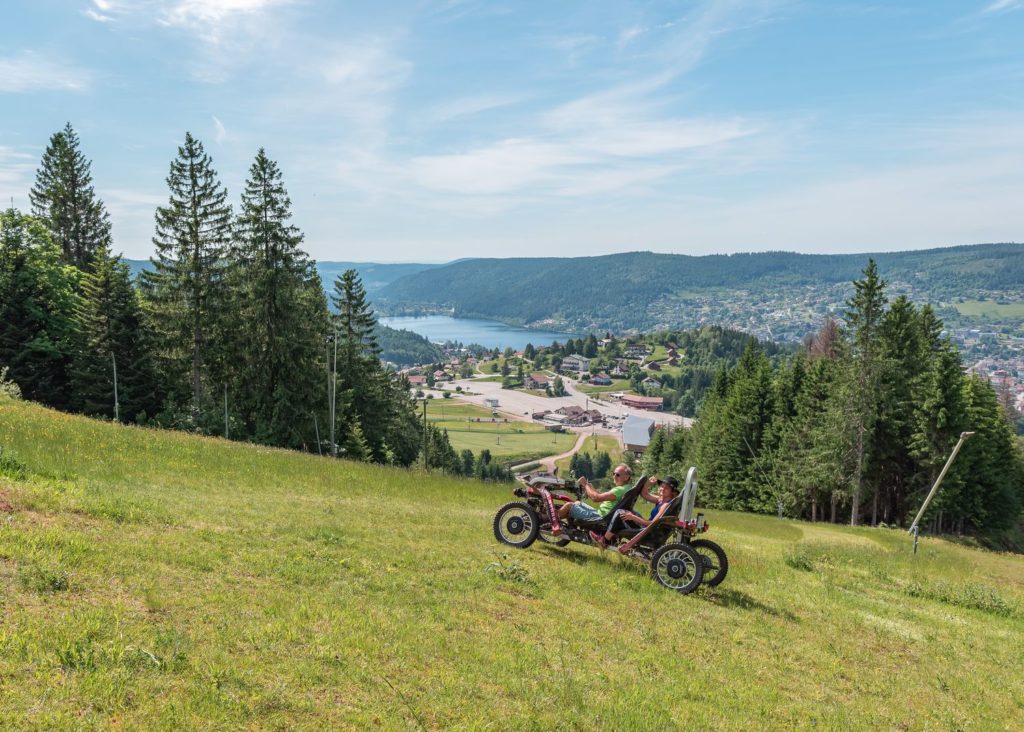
{"x": 64, "y": 199}
{"x": 37, "y": 300}
{"x": 185, "y": 287}
{"x": 282, "y": 313}
{"x": 111, "y": 335}
{"x": 864, "y": 318}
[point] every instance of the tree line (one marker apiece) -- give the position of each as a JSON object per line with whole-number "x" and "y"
{"x": 855, "y": 427}
{"x": 227, "y": 332}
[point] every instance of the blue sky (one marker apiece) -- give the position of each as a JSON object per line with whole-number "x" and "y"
{"x": 432, "y": 130}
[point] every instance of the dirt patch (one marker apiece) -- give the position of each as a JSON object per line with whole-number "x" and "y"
{"x": 5, "y": 503}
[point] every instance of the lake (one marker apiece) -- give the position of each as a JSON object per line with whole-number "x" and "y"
{"x": 489, "y": 333}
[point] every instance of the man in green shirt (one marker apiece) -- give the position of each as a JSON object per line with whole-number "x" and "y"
{"x": 581, "y": 511}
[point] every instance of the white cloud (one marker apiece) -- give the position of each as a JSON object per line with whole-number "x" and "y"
{"x": 220, "y": 133}
{"x": 16, "y": 170}
{"x": 1001, "y": 5}
{"x": 472, "y": 105}
{"x": 212, "y": 20}
{"x": 29, "y": 72}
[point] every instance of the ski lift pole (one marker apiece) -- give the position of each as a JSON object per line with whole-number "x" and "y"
{"x": 914, "y": 530}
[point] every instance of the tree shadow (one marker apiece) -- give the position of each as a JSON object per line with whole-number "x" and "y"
{"x": 741, "y": 600}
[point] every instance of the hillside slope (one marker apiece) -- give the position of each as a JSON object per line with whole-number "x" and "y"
{"x": 629, "y": 290}
{"x": 157, "y": 580}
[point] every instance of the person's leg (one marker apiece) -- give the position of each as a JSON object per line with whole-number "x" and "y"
{"x": 615, "y": 524}
{"x": 563, "y": 511}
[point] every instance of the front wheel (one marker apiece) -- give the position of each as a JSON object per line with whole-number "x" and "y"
{"x": 677, "y": 567}
{"x": 516, "y": 524}
{"x": 716, "y": 564}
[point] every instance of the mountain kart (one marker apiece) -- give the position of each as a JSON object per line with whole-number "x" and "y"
{"x": 678, "y": 560}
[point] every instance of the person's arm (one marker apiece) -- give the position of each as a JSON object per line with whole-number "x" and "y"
{"x": 645, "y": 492}
{"x": 634, "y": 519}
{"x": 592, "y": 493}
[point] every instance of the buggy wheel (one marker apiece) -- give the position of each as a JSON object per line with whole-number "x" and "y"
{"x": 716, "y": 564}
{"x": 677, "y": 567}
{"x": 516, "y": 524}
{"x": 547, "y": 537}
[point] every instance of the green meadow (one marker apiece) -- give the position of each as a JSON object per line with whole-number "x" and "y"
{"x": 505, "y": 440}
{"x": 991, "y": 310}
{"x": 156, "y": 580}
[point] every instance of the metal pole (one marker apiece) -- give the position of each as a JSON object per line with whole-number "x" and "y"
{"x": 964, "y": 436}
{"x": 426, "y": 465}
{"x": 117, "y": 406}
{"x": 226, "y": 435}
{"x": 316, "y": 426}
{"x": 334, "y": 394}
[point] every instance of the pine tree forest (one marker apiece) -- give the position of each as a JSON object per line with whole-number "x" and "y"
{"x": 228, "y": 332}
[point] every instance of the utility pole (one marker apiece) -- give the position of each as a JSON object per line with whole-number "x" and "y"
{"x": 426, "y": 465}
{"x": 332, "y": 387}
{"x": 117, "y": 406}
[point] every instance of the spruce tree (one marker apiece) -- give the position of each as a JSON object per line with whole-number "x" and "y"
{"x": 185, "y": 288}
{"x": 111, "y": 334}
{"x": 64, "y": 199}
{"x": 864, "y": 318}
{"x": 282, "y": 313}
{"x": 37, "y": 300}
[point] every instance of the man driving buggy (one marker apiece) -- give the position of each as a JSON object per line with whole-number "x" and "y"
{"x": 580, "y": 511}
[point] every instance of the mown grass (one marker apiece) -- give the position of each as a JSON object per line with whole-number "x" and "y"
{"x": 505, "y": 440}
{"x": 991, "y": 310}
{"x": 153, "y": 580}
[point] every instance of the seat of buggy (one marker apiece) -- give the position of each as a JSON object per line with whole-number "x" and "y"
{"x": 626, "y": 502}
{"x": 657, "y": 534}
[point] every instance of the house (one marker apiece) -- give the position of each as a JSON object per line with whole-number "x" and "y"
{"x": 594, "y": 416}
{"x": 417, "y": 380}
{"x": 492, "y": 403}
{"x": 540, "y": 415}
{"x": 576, "y": 362}
{"x": 535, "y": 381}
{"x": 440, "y": 375}
{"x": 601, "y": 380}
{"x": 655, "y": 404}
{"x": 654, "y": 366}
{"x": 650, "y": 383}
{"x": 636, "y": 434}
{"x": 674, "y": 361}
{"x": 673, "y": 353}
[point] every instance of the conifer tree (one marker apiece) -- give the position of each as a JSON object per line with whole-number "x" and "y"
{"x": 283, "y": 312}
{"x": 864, "y": 317}
{"x": 111, "y": 334}
{"x": 37, "y": 300}
{"x": 185, "y": 289}
{"x": 64, "y": 199}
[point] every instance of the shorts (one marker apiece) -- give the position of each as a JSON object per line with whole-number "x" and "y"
{"x": 583, "y": 512}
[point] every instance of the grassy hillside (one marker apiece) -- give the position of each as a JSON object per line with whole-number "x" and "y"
{"x": 153, "y": 580}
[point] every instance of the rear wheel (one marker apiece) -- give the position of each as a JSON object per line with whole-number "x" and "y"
{"x": 716, "y": 564}
{"x": 677, "y": 567}
{"x": 516, "y": 524}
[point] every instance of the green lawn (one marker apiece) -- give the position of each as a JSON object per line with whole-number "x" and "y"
{"x": 504, "y": 439}
{"x": 991, "y": 310}
{"x": 154, "y": 580}
{"x": 616, "y": 385}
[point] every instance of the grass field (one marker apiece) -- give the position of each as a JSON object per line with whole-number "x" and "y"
{"x": 605, "y": 443}
{"x": 991, "y": 310}
{"x": 616, "y": 385}
{"x": 504, "y": 439}
{"x": 153, "y": 580}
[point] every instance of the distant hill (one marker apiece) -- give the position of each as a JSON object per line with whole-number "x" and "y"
{"x": 375, "y": 276}
{"x": 643, "y": 290}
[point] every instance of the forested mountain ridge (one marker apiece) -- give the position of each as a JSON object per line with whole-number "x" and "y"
{"x": 645, "y": 290}
{"x": 375, "y": 276}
